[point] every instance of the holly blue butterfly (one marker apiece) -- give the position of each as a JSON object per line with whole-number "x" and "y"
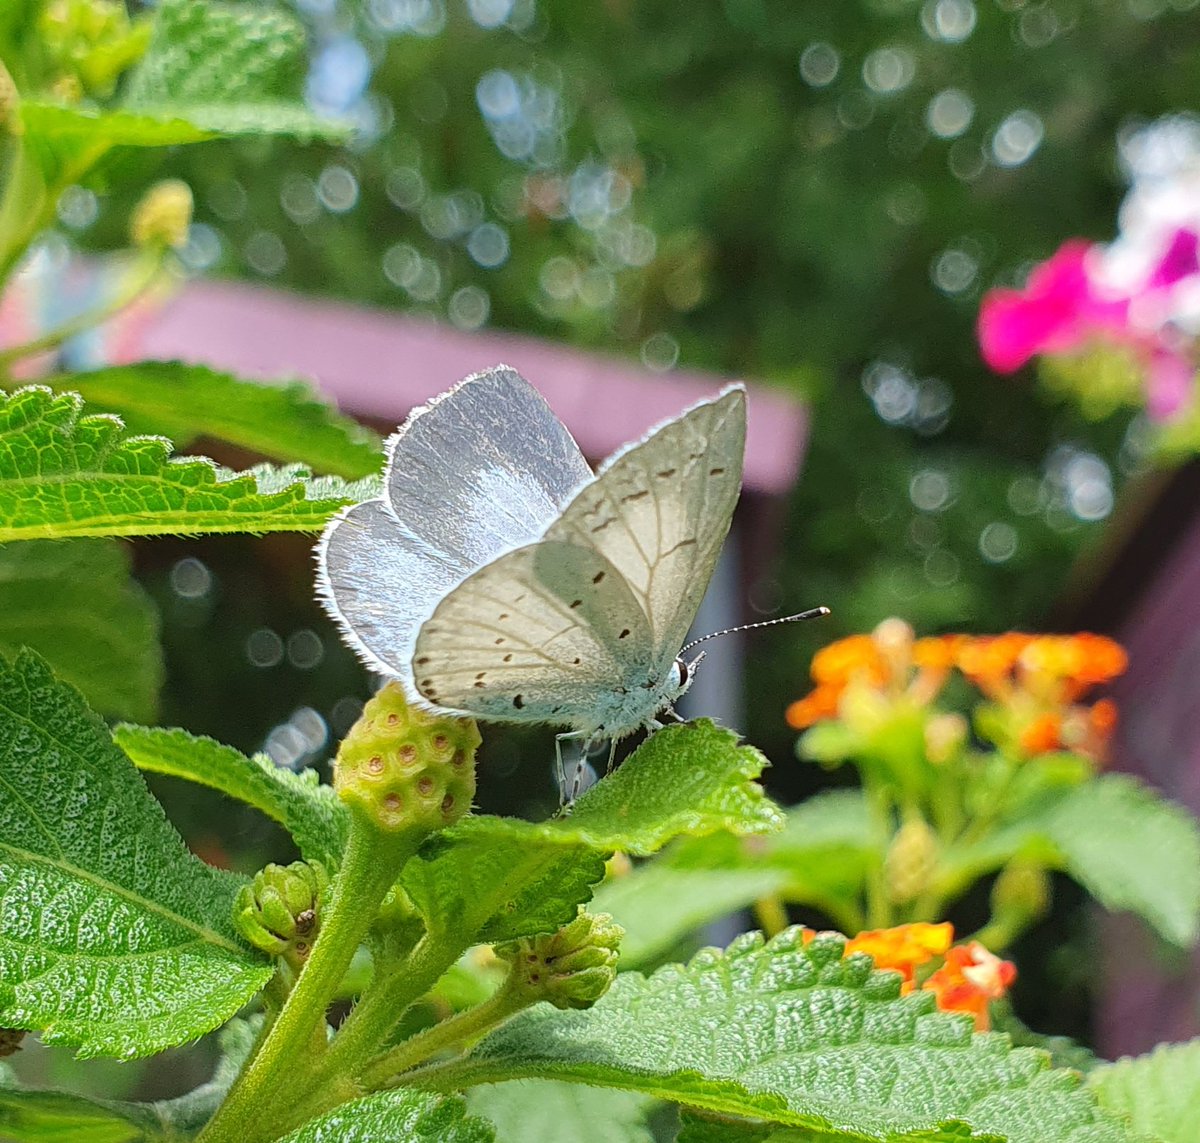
{"x": 498, "y": 577}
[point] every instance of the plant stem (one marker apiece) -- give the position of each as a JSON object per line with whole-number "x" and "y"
{"x": 879, "y": 912}
{"x": 279, "y": 1069}
{"x": 506, "y": 1001}
{"x": 143, "y": 275}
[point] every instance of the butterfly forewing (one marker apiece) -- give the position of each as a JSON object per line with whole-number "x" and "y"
{"x": 482, "y": 469}
{"x": 547, "y": 633}
{"x": 660, "y": 510}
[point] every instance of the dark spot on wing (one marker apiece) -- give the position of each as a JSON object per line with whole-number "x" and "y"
{"x": 508, "y": 657}
{"x": 480, "y": 684}
{"x": 422, "y": 660}
{"x": 597, "y": 577}
{"x": 601, "y": 527}
{"x": 518, "y": 701}
{"x": 576, "y": 661}
{"x": 499, "y": 640}
{"x": 519, "y": 597}
{"x": 576, "y": 603}
{"x": 504, "y": 615}
{"x": 635, "y": 495}
{"x": 482, "y": 674}
{"x": 624, "y": 632}
{"x": 716, "y": 472}
{"x": 665, "y": 474}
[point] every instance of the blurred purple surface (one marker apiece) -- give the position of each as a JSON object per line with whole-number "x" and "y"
{"x": 380, "y": 364}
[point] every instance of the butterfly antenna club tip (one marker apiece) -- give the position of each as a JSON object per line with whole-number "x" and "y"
{"x": 811, "y": 613}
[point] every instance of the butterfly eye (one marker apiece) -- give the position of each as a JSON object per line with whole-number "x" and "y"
{"x": 682, "y": 668}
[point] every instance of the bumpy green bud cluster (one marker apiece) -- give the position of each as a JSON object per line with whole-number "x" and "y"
{"x": 1021, "y": 894}
{"x": 163, "y": 215}
{"x": 92, "y": 42}
{"x": 279, "y": 911}
{"x": 911, "y": 861}
{"x": 571, "y": 968}
{"x": 405, "y": 768}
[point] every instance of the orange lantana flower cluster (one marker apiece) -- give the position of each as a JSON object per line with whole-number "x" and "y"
{"x": 1038, "y": 679}
{"x": 969, "y": 979}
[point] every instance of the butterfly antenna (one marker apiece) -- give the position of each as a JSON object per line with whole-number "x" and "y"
{"x": 811, "y": 613}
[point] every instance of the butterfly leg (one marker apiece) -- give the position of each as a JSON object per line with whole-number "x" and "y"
{"x": 564, "y": 803}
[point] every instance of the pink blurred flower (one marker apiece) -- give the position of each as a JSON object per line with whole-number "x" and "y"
{"x": 1058, "y": 311}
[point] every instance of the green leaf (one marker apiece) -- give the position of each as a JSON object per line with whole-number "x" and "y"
{"x": 552, "y": 1112}
{"x": 658, "y": 904}
{"x": 500, "y": 878}
{"x": 74, "y": 603}
{"x": 64, "y": 475}
{"x": 285, "y": 421}
{"x": 796, "y": 1035}
{"x": 402, "y": 1116}
{"x": 691, "y": 779}
{"x": 113, "y": 937}
{"x": 218, "y": 53}
{"x": 29, "y": 1116}
{"x": 1124, "y": 843}
{"x": 1132, "y": 849}
{"x": 309, "y": 811}
{"x": 68, "y": 133}
{"x": 1159, "y": 1094}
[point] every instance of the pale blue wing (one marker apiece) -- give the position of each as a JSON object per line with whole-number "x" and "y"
{"x": 659, "y": 511}
{"x": 378, "y": 583}
{"x": 477, "y": 471}
{"x": 483, "y": 468}
{"x": 547, "y": 633}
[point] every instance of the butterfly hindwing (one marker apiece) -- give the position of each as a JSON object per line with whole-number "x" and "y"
{"x": 547, "y": 633}
{"x": 659, "y": 512}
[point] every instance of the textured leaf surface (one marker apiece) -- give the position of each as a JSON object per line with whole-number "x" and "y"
{"x": 67, "y": 132}
{"x": 64, "y": 475}
{"x": 113, "y": 937}
{"x": 691, "y": 779}
{"x": 29, "y": 1116}
{"x": 74, "y": 603}
{"x": 309, "y": 811}
{"x": 285, "y": 421}
{"x": 658, "y": 904}
{"x": 403, "y": 1116}
{"x": 798, "y": 1036}
{"x": 552, "y": 1112}
{"x": 1159, "y": 1093}
{"x": 501, "y": 878}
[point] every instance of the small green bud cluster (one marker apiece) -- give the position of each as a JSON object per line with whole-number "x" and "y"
{"x": 163, "y": 215}
{"x": 1021, "y": 894}
{"x": 911, "y": 861}
{"x": 279, "y": 911}
{"x": 90, "y": 43}
{"x": 405, "y": 768}
{"x": 571, "y": 968}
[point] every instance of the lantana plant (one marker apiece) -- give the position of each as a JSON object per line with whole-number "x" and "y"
{"x": 1116, "y": 324}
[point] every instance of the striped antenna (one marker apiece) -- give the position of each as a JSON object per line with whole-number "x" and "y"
{"x": 811, "y": 613}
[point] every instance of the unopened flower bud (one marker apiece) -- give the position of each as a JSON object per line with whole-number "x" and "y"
{"x": 571, "y": 968}
{"x": 406, "y": 768}
{"x": 163, "y": 215}
{"x": 1021, "y": 894}
{"x": 279, "y": 911}
{"x": 911, "y": 861}
{"x": 945, "y": 736}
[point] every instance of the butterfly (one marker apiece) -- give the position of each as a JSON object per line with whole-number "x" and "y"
{"x": 498, "y": 577}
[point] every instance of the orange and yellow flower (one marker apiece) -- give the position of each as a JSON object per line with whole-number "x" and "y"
{"x": 968, "y": 980}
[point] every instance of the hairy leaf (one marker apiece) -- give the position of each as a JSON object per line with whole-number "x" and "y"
{"x": 794, "y": 1034}
{"x": 73, "y": 602}
{"x": 64, "y": 475}
{"x": 286, "y": 421}
{"x": 501, "y": 878}
{"x": 552, "y": 1112}
{"x": 309, "y": 811}
{"x": 402, "y": 1116}
{"x": 113, "y": 937}
{"x": 1158, "y": 1093}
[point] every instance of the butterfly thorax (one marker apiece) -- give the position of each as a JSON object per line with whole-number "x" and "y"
{"x": 624, "y": 711}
